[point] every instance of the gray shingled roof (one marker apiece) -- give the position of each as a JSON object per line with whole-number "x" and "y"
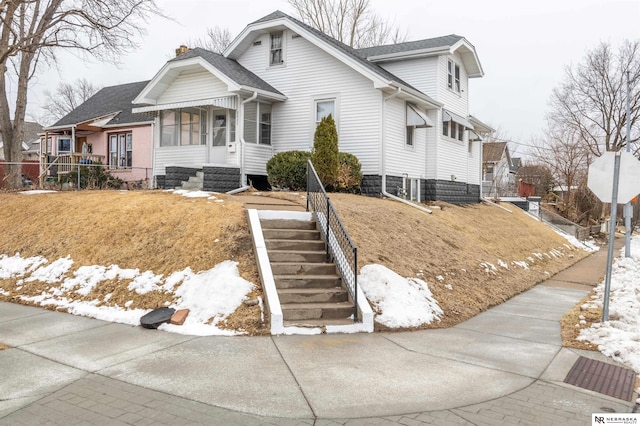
{"x": 341, "y": 46}
{"x": 107, "y": 101}
{"x": 430, "y": 43}
{"x": 230, "y": 68}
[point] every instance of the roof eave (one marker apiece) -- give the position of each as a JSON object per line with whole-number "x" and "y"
{"x": 235, "y": 48}
{"x": 264, "y": 93}
{"x": 410, "y": 54}
{"x": 146, "y": 97}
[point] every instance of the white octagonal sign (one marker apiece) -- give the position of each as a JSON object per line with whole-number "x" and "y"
{"x": 600, "y": 179}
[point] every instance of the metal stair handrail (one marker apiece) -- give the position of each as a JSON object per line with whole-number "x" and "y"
{"x": 340, "y": 247}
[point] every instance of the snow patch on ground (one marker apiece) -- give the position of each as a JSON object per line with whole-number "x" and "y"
{"x": 619, "y": 338}
{"x": 36, "y": 191}
{"x": 210, "y": 295}
{"x": 401, "y": 302}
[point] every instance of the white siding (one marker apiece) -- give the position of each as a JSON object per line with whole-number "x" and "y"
{"x": 256, "y": 157}
{"x": 185, "y": 156}
{"x": 189, "y": 86}
{"x": 421, "y": 73}
{"x": 308, "y": 74}
{"x": 475, "y": 163}
{"x": 399, "y": 157}
{"x": 433, "y": 136}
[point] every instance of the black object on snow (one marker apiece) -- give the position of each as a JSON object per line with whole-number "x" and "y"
{"x": 156, "y": 317}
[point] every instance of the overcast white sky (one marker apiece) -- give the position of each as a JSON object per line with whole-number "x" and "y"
{"x": 523, "y": 46}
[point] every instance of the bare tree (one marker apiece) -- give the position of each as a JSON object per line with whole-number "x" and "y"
{"x": 67, "y": 97}
{"x": 349, "y": 21}
{"x": 563, "y": 152}
{"x": 591, "y": 101}
{"x": 216, "y": 40}
{"x": 34, "y": 30}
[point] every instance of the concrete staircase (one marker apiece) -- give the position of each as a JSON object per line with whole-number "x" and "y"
{"x": 195, "y": 183}
{"x": 310, "y": 290}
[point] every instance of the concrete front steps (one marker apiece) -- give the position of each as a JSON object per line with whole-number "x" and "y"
{"x": 195, "y": 183}
{"x": 309, "y": 289}
{"x": 304, "y": 293}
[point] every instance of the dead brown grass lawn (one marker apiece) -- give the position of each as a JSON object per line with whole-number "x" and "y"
{"x": 149, "y": 230}
{"x": 571, "y": 326}
{"x": 451, "y": 243}
{"x": 3, "y": 346}
{"x": 163, "y": 232}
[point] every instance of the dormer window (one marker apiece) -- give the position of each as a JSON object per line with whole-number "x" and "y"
{"x": 453, "y": 76}
{"x": 275, "y": 54}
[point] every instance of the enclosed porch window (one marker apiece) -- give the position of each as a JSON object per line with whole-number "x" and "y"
{"x": 187, "y": 126}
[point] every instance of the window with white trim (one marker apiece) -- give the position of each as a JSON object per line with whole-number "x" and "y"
{"x": 453, "y": 130}
{"x": 183, "y": 127}
{"x": 411, "y": 188}
{"x": 324, "y": 108}
{"x": 275, "y": 49}
{"x": 453, "y": 76}
{"x": 265, "y": 124}
{"x": 409, "y": 139}
{"x": 120, "y": 150}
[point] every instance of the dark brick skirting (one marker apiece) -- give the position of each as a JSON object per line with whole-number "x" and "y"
{"x": 450, "y": 191}
{"x": 175, "y": 175}
{"x": 160, "y": 182}
{"x": 221, "y": 179}
{"x": 431, "y": 189}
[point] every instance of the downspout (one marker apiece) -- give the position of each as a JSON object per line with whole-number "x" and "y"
{"x": 242, "y": 141}
{"x": 382, "y": 160}
{"x": 151, "y": 183}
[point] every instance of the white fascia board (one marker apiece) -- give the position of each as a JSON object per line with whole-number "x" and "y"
{"x": 419, "y": 96}
{"x": 262, "y": 27}
{"x": 464, "y": 42}
{"x": 410, "y": 54}
{"x": 135, "y": 124}
{"x": 174, "y": 67}
{"x": 479, "y": 126}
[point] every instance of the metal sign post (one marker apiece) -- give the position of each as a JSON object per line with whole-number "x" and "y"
{"x": 627, "y": 207}
{"x": 612, "y": 232}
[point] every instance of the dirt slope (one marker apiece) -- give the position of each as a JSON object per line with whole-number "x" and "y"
{"x": 457, "y": 250}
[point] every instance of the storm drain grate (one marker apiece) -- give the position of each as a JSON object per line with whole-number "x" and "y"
{"x": 601, "y": 377}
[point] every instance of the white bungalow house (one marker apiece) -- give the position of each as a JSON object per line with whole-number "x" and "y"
{"x": 402, "y": 109}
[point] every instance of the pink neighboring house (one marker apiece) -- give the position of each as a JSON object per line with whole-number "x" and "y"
{"x": 102, "y": 130}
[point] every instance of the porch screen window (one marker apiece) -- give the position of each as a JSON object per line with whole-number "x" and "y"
{"x": 324, "y": 108}
{"x": 453, "y": 76}
{"x": 169, "y": 129}
{"x": 265, "y": 124}
{"x": 120, "y": 151}
{"x": 276, "y": 49}
{"x": 190, "y": 127}
{"x": 64, "y": 145}
{"x": 232, "y": 125}
{"x": 219, "y": 129}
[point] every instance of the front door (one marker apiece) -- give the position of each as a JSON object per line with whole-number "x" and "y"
{"x": 218, "y": 148}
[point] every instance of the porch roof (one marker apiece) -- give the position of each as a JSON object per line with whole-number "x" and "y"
{"x": 228, "y": 102}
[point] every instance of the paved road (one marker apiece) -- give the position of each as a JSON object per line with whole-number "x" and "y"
{"x": 504, "y": 366}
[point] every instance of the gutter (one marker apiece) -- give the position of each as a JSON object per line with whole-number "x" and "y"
{"x": 384, "y": 174}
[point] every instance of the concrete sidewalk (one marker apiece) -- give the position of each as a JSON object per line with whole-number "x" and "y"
{"x": 503, "y": 366}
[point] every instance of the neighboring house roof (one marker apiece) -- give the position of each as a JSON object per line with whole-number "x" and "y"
{"x": 230, "y": 68}
{"x": 492, "y": 152}
{"x": 112, "y": 103}
{"x": 30, "y": 137}
{"x": 243, "y": 41}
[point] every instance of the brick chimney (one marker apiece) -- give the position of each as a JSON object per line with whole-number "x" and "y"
{"x": 182, "y": 50}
